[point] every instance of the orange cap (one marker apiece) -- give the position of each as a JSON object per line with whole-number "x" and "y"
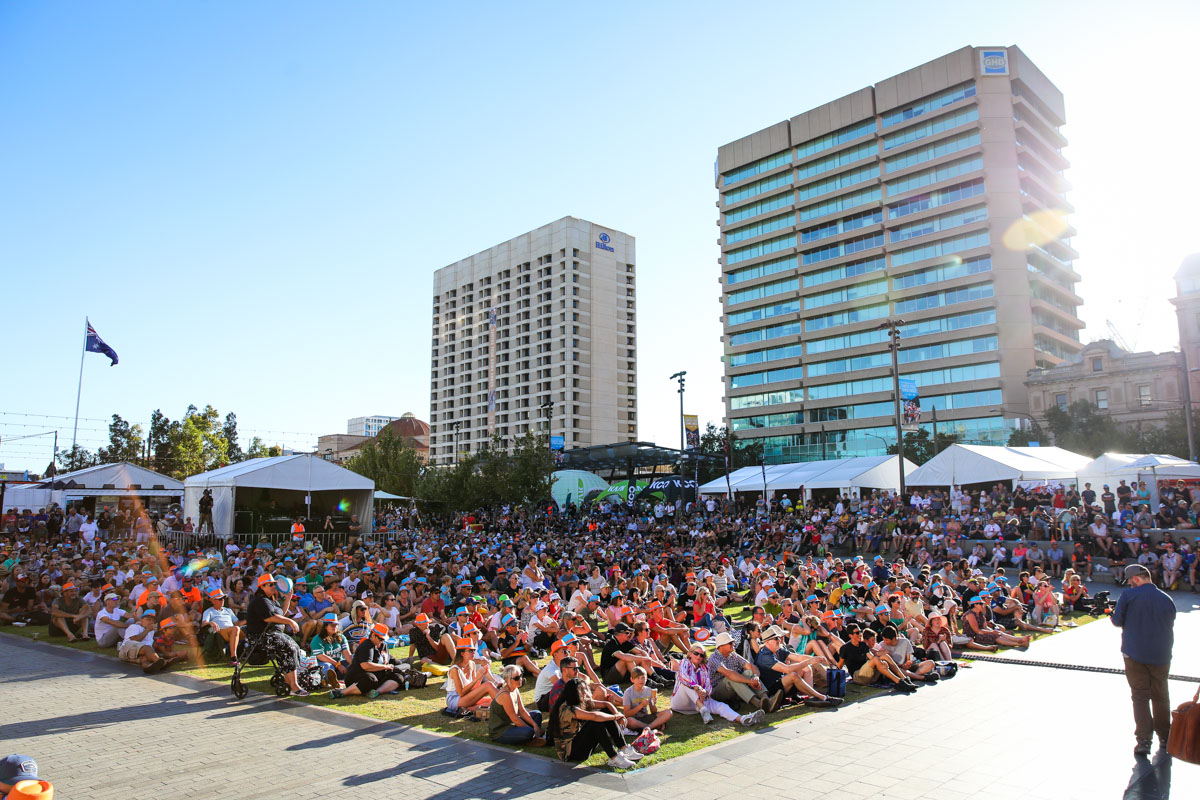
{"x": 264, "y": 579}
{"x": 31, "y": 790}
{"x": 421, "y": 619}
{"x": 464, "y": 644}
{"x": 380, "y": 629}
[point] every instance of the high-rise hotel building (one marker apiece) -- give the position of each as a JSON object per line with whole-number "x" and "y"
{"x": 935, "y": 197}
{"x": 541, "y": 327}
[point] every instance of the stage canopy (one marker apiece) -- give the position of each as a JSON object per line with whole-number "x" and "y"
{"x": 866, "y": 472}
{"x": 282, "y": 486}
{"x": 961, "y": 464}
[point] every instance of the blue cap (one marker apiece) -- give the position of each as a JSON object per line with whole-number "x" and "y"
{"x": 17, "y": 768}
{"x": 330, "y": 617}
{"x": 594, "y": 598}
{"x": 812, "y": 598}
{"x": 507, "y": 619}
{"x": 460, "y": 610}
{"x": 881, "y": 609}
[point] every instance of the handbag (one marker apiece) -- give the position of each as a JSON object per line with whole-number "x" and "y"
{"x": 1184, "y": 741}
{"x": 835, "y": 682}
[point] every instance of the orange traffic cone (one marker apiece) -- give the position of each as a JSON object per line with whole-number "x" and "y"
{"x": 31, "y": 790}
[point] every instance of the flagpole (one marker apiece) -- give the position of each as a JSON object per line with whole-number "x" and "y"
{"x": 78, "y": 392}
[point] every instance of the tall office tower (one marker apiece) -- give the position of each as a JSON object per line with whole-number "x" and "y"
{"x": 935, "y": 197}
{"x": 541, "y": 326}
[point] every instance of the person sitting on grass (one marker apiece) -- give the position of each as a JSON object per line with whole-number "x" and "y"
{"x": 786, "y": 673}
{"x": 936, "y": 636}
{"x": 138, "y": 646}
{"x": 903, "y": 656}
{"x": 111, "y": 622}
{"x": 222, "y": 623}
{"x": 665, "y": 631}
{"x": 514, "y": 646}
{"x": 357, "y": 626}
{"x": 858, "y": 656}
{"x": 468, "y": 690}
{"x": 543, "y": 628}
{"x": 431, "y": 644}
{"x": 640, "y": 705}
{"x": 982, "y": 632}
{"x": 332, "y": 651}
{"x": 509, "y": 721}
{"x": 169, "y": 641}
{"x": 693, "y": 692}
{"x": 1074, "y": 595}
{"x": 1046, "y": 610}
{"x": 579, "y": 728}
{"x": 733, "y": 677}
{"x": 661, "y": 671}
{"x": 372, "y": 670}
{"x": 620, "y": 655}
{"x": 69, "y": 615}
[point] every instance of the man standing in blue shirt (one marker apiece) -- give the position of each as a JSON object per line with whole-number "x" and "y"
{"x": 1146, "y": 617}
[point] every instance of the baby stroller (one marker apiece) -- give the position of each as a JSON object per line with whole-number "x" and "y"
{"x": 308, "y": 675}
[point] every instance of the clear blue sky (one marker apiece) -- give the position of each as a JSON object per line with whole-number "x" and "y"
{"x": 249, "y": 199}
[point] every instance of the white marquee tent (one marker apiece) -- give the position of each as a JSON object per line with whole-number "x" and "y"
{"x": 866, "y": 472}
{"x": 296, "y": 481}
{"x": 961, "y": 464}
{"x": 116, "y": 481}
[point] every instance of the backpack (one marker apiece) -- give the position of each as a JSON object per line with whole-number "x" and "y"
{"x": 835, "y": 682}
{"x": 410, "y": 677}
{"x": 946, "y": 669}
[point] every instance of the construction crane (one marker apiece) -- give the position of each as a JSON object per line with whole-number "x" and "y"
{"x": 1116, "y": 335}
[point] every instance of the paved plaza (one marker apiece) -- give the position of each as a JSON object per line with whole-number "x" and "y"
{"x": 101, "y": 730}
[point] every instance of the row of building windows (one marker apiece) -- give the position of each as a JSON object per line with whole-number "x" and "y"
{"x": 930, "y": 128}
{"x": 849, "y": 364}
{"x": 954, "y": 322}
{"x": 839, "y": 181}
{"x": 760, "y": 249}
{"x": 945, "y": 222}
{"x": 764, "y": 334}
{"x": 942, "y": 197}
{"x": 764, "y": 312}
{"x": 934, "y": 175}
{"x": 933, "y": 377}
{"x": 886, "y": 408}
{"x": 847, "y": 317}
{"x": 939, "y": 100}
{"x": 761, "y": 207}
{"x": 760, "y": 228}
{"x": 763, "y": 356}
{"x": 842, "y": 203}
{"x": 846, "y": 248}
{"x": 834, "y": 227}
{"x": 942, "y": 273}
{"x": 758, "y": 187}
{"x": 962, "y": 347}
{"x": 769, "y": 376}
{"x": 931, "y": 151}
{"x": 841, "y": 271}
{"x": 768, "y": 420}
{"x": 763, "y": 290}
{"x": 814, "y": 146}
{"x": 854, "y": 292}
{"x": 840, "y": 159}
{"x": 947, "y": 297}
{"x": 760, "y": 270}
{"x": 943, "y": 247}
{"x": 758, "y": 167}
{"x": 845, "y": 341}
{"x": 874, "y": 441}
{"x": 767, "y": 399}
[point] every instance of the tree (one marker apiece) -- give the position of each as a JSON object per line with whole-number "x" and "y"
{"x": 919, "y": 445}
{"x": 159, "y": 440}
{"x": 260, "y": 450}
{"x": 1084, "y": 430}
{"x": 1021, "y": 437}
{"x": 233, "y": 449}
{"x": 124, "y": 442}
{"x": 77, "y": 457}
{"x": 388, "y": 459}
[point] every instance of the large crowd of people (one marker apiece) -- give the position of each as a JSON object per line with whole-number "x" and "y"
{"x": 624, "y": 619}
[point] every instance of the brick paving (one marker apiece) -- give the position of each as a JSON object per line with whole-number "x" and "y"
{"x": 101, "y": 730}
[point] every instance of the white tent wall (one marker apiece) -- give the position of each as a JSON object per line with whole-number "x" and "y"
{"x": 961, "y": 464}
{"x": 867, "y": 472}
{"x": 31, "y": 497}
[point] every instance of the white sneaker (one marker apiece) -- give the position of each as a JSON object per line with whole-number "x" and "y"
{"x": 628, "y": 752}
{"x": 620, "y": 762}
{"x": 705, "y": 715}
{"x": 753, "y": 718}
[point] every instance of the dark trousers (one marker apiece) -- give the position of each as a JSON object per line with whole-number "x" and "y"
{"x": 592, "y": 735}
{"x": 1151, "y": 705}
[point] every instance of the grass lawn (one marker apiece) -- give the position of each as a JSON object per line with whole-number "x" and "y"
{"x": 422, "y": 707}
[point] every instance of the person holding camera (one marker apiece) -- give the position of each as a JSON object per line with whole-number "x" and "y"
{"x": 1146, "y": 616}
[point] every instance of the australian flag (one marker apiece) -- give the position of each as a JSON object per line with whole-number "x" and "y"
{"x": 96, "y": 345}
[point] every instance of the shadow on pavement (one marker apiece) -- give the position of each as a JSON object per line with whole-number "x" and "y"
{"x": 1151, "y": 780}
{"x": 70, "y": 723}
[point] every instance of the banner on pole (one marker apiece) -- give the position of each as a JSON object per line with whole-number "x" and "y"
{"x": 910, "y": 400}
{"x": 691, "y": 430}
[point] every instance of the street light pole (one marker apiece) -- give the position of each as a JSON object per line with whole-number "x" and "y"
{"x": 822, "y": 441}
{"x": 679, "y": 377}
{"x": 933, "y": 414}
{"x": 547, "y": 407}
{"x": 892, "y": 326}
{"x": 456, "y": 425}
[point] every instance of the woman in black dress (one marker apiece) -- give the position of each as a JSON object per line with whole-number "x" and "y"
{"x": 264, "y": 616}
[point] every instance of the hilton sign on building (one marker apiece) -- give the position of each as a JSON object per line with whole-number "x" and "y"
{"x": 543, "y": 322}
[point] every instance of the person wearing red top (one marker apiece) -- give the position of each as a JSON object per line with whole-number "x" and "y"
{"x": 433, "y": 607}
{"x": 664, "y": 630}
